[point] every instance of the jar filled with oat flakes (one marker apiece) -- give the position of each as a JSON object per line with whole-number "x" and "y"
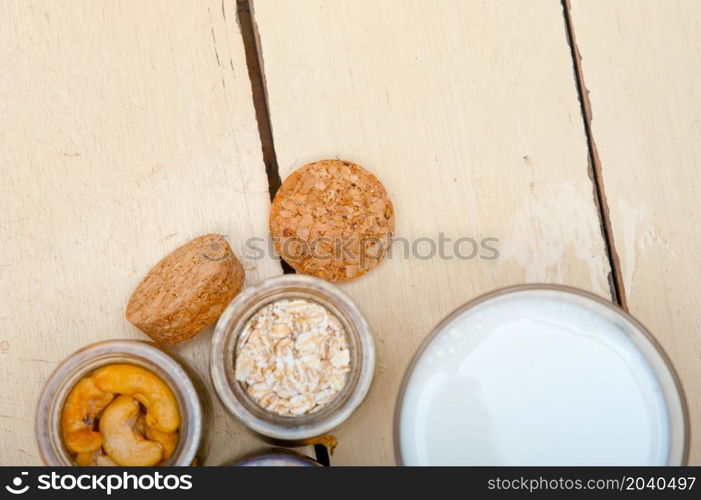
{"x": 292, "y": 358}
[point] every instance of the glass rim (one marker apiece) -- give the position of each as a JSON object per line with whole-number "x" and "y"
{"x": 682, "y": 455}
{"x": 225, "y": 341}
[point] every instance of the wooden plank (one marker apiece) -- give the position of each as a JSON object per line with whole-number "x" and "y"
{"x": 641, "y": 62}
{"x": 126, "y": 129}
{"x": 468, "y": 112}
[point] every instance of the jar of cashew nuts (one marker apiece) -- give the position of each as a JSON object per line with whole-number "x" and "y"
{"x": 122, "y": 402}
{"x": 292, "y": 358}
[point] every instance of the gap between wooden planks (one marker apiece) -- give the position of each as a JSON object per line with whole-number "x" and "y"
{"x": 468, "y": 112}
{"x": 641, "y": 63}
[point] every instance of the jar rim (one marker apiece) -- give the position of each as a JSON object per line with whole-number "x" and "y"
{"x": 678, "y": 450}
{"x": 85, "y": 360}
{"x": 230, "y": 326}
{"x": 274, "y": 457}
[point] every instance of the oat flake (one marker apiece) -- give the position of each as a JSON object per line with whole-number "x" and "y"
{"x": 294, "y": 358}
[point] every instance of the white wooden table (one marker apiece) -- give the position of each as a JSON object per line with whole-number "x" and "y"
{"x": 127, "y": 128}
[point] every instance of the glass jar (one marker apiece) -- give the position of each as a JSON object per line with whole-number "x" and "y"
{"x": 227, "y": 334}
{"x": 188, "y": 388}
{"x": 274, "y": 457}
{"x": 487, "y": 374}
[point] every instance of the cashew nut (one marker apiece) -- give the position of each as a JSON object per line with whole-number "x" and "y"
{"x": 121, "y": 441}
{"x": 105, "y": 461}
{"x": 84, "y": 403}
{"x": 169, "y": 440}
{"x": 161, "y": 406}
{"x": 85, "y": 459}
{"x": 140, "y": 424}
{"x": 95, "y": 458}
{"x": 126, "y": 436}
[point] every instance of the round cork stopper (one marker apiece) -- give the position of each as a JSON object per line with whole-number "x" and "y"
{"x": 332, "y": 219}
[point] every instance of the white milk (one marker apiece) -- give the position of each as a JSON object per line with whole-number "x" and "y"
{"x": 533, "y": 381}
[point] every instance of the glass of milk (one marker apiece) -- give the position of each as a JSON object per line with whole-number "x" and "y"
{"x": 541, "y": 375}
